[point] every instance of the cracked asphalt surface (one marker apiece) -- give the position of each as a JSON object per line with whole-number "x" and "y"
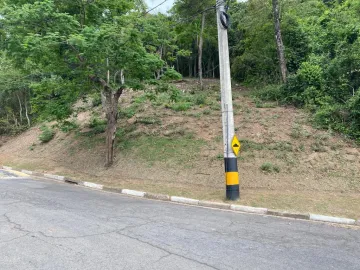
{"x": 49, "y": 225}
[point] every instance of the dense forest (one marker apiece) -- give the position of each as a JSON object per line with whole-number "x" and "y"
{"x": 304, "y": 53}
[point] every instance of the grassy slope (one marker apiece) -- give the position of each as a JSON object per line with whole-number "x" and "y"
{"x": 176, "y": 148}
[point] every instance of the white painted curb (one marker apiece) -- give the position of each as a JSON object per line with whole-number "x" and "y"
{"x": 26, "y": 171}
{"x": 184, "y": 200}
{"x": 92, "y": 185}
{"x": 7, "y": 168}
{"x": 133, "y": 192}
{"x": 248, "y": 209}
{"x": 56, "y": 177}
{"x": 332, "y": 219}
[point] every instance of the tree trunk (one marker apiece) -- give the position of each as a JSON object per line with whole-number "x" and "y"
{"x": 20, "y": 108}
{"x": 26, "y": 113}
{"x": 111, "y": 110}
{"x": 201, "y": 42}
{"x": 279, "y": 41}
{"x": 213, "y": 69}
{"x": 190, "y": 68}
{"x": 110, "y": 101}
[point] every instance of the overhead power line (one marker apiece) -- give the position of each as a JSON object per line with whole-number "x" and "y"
{"x": 148, "y": 11}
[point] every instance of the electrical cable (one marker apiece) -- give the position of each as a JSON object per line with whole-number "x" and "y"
{"x": 148, "y": 11}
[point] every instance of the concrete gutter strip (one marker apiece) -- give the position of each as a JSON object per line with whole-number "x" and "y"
{"x": 214, "y": 205}
{"x": 248, "y": 209}
{"x": 332, "y": 219}
{"x": 7, "y": 168}
{"x": 92, "y": 185}
{"x": 133, "y": 192}
{"x": 27, "y": 172}
{"x": 184, "y": 200}
{"x": 56, "y": 177}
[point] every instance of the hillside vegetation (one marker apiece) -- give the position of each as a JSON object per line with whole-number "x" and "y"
{"x": 96, "y": 89}
{"x": 175, "y": 147}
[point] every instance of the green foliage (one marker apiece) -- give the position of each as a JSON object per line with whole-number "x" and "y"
{"x": 97, "y": 125}
{"x": 67, "y": 126}
{"x": 171, "y": 74}
{"x": 47, "y": 134}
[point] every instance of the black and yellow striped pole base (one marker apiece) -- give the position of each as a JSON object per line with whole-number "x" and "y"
{"x": 232, "y": 179}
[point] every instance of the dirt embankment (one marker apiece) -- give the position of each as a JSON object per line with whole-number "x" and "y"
{"x": 284, "y": 163}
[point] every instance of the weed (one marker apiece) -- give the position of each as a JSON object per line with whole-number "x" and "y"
{"x": 140, "y": 99}
{"x": 318, "y": 147}
{"x": 207, "y": 112}
{"x": 247, "y": 145}
{"x": 149, "y": 121}
{"x": 220, "y": 157}
{"x": 68, "y": 126}
{"x": 268, "y": 167}
{"x": 180, "y": 107}
{"x": 47, "y": 134}
{"x": 281, "y": 146}
{"x": 215, "y": 107}
{"x": 200, "y": 99}
{"x": 298, "y": 132}
{"x": 128, "y": 112}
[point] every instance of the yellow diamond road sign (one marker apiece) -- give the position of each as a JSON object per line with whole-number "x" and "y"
{"x": 236, "y": 145}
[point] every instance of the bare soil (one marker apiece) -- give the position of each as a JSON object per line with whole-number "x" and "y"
{"x": 319, "y": 170}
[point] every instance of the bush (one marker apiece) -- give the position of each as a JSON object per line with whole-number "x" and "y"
{"x": 98, "y": 125}
{"x": 67, "y": 126}
{"x": 272, "y": 92}
{"x": 47, "y": 134}
{"x": 171, "y": 74}
{"x": 7, "y": 128}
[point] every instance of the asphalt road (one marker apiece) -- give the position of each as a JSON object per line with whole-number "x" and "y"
{"x": 49, "y": 225}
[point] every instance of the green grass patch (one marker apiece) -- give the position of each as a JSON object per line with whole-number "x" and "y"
{"x": 172, "y": 151}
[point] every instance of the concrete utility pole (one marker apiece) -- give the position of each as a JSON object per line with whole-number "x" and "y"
{"x": 231, "y": 144}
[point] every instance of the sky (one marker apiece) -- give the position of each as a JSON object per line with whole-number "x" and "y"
{"x": 163, "y": 8}
{"x": 166, "y": 6}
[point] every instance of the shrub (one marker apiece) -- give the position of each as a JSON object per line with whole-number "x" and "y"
{"x": 171, "y": 74}
{"x": 67, "y": 126}
{"x": 47, "y": 134}
{"x": 98, "y": 125}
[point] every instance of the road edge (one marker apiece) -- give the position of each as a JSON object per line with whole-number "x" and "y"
{"x": 192, "y": 202}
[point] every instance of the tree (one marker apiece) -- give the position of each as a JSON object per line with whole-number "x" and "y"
{"x": 279, "y": 41}
{"x": 185, "y": 9}
{"x": 71, "y": 51}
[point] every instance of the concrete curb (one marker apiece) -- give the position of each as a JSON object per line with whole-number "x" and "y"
{"x": 133, "y": 193}
{"x": 248, "y": 209}
{"x": 113, "y": 190}
{"x": 338, "y": 220}
{"x": 92, "y": 185}
{"x": 288, "y": 214}
{"x": 214, "y": 205}
{"x": 194, "y": 202}
{"x": 184, "y": 200}
{"x": 160, "y": 197}
{"x": 56, "y": 177}
{"x": 27, "y": 172}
